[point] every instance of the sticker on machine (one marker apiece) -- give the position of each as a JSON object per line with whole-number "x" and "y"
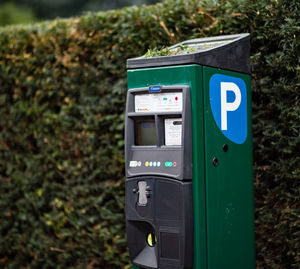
{"x": 173, "y": 131}
{"x": 228, "y": 102}
{"x": 158, "y": 102}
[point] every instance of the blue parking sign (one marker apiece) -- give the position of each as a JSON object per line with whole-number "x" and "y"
{"x": 228, "y": 102}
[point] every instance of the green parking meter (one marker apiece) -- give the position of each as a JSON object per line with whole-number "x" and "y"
{"x": 188, "y": 152}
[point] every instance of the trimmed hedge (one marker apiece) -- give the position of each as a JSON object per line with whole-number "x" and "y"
{"x": 62, "y": 98}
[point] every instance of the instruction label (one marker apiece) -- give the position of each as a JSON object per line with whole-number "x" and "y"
{"x": 158, "y": 102}
{"x": 173, "y": 130}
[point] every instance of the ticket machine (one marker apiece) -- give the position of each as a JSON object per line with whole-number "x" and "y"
{"x": 159, "y": 205}
{"x": 188, "y": 152}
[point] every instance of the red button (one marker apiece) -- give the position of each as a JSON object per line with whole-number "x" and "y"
{"x": 174, "y": 164}
{"x": 176, "y": 98}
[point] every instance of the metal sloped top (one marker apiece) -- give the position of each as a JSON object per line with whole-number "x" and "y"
{"x": 230, "y": 52}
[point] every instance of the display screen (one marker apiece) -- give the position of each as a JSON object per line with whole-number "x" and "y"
{"x": 145, "y": 132}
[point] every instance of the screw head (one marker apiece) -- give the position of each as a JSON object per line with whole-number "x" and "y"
{"x": 225, "y": 147}
{"x": 215, "y": 161}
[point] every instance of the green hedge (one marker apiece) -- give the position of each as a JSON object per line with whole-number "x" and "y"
{"x": 62, "y": 96}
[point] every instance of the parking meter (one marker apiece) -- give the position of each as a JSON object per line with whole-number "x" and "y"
{"x": 188, "y": 157}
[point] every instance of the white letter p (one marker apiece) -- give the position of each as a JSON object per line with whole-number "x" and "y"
{"x": 225, "y": 87}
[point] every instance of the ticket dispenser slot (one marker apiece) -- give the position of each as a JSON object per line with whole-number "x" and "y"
{"x": 159, "y": 205}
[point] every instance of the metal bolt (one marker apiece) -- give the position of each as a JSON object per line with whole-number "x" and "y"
{"x": 225, "y": 147}
{"x": 215, "y": 161}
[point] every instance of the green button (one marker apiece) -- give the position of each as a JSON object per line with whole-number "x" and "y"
{"x": 168, "y": 164}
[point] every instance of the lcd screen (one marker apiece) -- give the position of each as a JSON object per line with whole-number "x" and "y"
{"x": 145, "y": 132}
